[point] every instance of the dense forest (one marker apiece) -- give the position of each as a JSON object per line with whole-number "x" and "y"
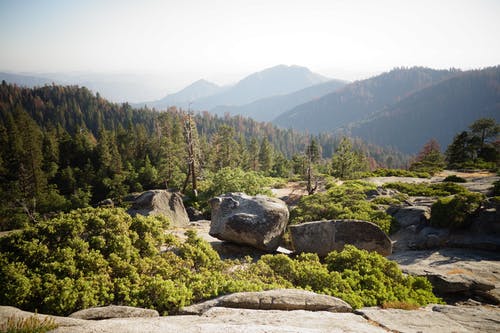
{"x": 64, "y": 147}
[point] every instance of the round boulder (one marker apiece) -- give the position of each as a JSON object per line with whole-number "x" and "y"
{"x": 258, "y": 221}
{"x": 322, "y": 237}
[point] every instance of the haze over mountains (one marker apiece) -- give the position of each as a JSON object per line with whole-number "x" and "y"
{"x": 402, "y": 108}
{"x": 204, "y": 95}
{"x": 115, "y": 86}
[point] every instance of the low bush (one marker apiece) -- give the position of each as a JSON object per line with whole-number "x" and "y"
{"x": 235, "y": 180}
{"x": 427, "y": 189}
{"x": 382, "y": 172}
{"x": 455, "y": 179}
{"x": 455, "y": 211}
{"x": 96, "y": 257}
{"x": 346, "y": 201}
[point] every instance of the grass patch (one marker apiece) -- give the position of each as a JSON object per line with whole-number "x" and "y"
{"x": 31, "y": 324}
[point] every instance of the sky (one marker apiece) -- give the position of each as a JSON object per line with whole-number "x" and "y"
{"x": 180, "y": 41}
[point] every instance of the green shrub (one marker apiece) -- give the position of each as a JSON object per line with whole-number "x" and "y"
{"x": 346, "y": 201}
{"x": 235, "y": 180}
{"x": 382, "y": 200}
{"x": 95, "y": 257}
{"x": 31, "y": 324}
{"x": 455, "y": 211}
{"x": 382, "y": 172}
{"x": 455, "y": 179}
{"x": 427, "y": 189}
{"x": 359, "y": 277}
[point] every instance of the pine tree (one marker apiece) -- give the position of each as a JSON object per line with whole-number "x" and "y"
{"x": 266, "y": 156}
{"x": 345, "y": 161}
{"x": 254, "y": 151}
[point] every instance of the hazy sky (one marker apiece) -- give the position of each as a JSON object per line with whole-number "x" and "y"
{"x": 227, "y": 39}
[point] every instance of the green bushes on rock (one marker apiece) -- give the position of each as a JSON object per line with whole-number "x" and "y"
{"x": 455, "y": 211}
{"x": 359, "y": 277}
{"x": 347, "y": 201}
{"x": 95, "y": 257}
{"x": 454, "y": 179}
{"x": 383, "y": 172}
{"x": 426, "y": 189}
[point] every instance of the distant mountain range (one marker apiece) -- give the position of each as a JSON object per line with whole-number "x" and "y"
{"x": 439, "y": 111}
{"x": 403, "y": 108}
{"x": 266, "y": 109}
{"x": 25, "y": 80}
{"x": 262, "y": 95}
{"x": 115, "y": 87}
{"x": 185, "y": 97}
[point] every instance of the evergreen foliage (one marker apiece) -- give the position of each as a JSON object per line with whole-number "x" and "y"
{"x": 346, "y": 201}
{"x": 455, "y": 211}
{"x": 346, "y": 162}
{"x": 427, "y": 189}
{"x": 65, "y": 148}
{"x": 95, "y": 257}
{"x": 429, "y": 159}
{"x": 477, "y": 149}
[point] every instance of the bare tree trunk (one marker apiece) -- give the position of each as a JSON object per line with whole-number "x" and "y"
{"x": 190, "y": 142}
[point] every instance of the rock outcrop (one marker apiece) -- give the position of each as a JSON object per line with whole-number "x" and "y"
{"x": 113, "y": 311}
{"x": 433, "y": 318}
{"x": 410, "y": 215}
{"x": 456, "y": 274}
{"x": 164, "y": 202}
{"x": 322, "y": 237}
{"x": 436, "y": 318}
{"x": 277, "y": 299}
{"x": 258, "y": 221}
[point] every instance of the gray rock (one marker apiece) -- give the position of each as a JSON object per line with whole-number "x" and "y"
{"x": 475, "y": 318}
{"x": 277, "y": 299}
{"x": 456, "y": 273}
{"x": 161, "y": 202}
{"x": 416, "y": 321}
{"x": 7, "y": 312}
{"x": 381, "y": 192}
{"x": 113, "y": 311}
{"x": 410, "y": 215}
{"x": 194, "y": 214}
{"x": 322, "y": 237}
{"x": 219, "y": 319}
{"x": 106, "y": 203}
{"x": 258, "y": 221}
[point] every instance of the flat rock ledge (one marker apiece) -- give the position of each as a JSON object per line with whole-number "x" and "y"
{"x": 113, "y": 311}
{"x": 276, "y": 299}
{"x": 433, "y": 318}
{"x": 436, "y": 318}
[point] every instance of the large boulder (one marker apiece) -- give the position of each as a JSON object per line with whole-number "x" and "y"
{"x": 114, "y": 311}
{"x": 161, "y": 202}
{"x": 258, "y": 221}
{"x": 322, "y": 237}
{"x": 410, "y": 215}
{"x": 277, "y": 299}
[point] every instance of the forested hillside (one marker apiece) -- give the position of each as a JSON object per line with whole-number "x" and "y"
{"x": 359, "y": 99}
{"x": 64, "y": 147}
{"x": 439, "y": 111}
